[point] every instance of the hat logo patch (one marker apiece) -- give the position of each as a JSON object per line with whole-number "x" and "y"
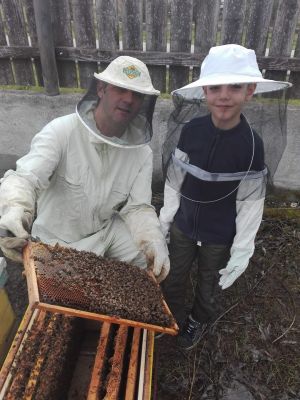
{"x": 131, "y": 72}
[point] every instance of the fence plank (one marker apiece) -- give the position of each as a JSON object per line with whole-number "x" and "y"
{"x": 46, "y": 45}
{"x": 294, "y": 76}
{"x": 151, "y": 58}
{"x": 157, "y": 58}
{"x": 241, "y": 21}
{"x": 259, "y": 18}
{"x": 283, "y": 33}
{"x": 17, "y": 35}
{"x": 6, "y": 73}
{"x": 156, "y": 38}
{"x": 233, "y": 21}
{"x": 181, "y": 32}
{"x": 31, "y": 27}
{"x": 63, "y": 37}
{"x": 206, "y": 26}
{"x": 132, "y": 24}
{"x": 84, "y": 36}
{"x": 108, "y": 26}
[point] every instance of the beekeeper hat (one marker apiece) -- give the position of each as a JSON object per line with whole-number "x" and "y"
{"x": 128, "y": 73}
{"x": 229, "y": 64}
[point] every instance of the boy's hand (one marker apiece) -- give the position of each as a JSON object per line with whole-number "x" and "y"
{"x": 228, "y": 277}
{"x": 236, "y": 265}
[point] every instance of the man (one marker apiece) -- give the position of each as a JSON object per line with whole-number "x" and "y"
{"x": 90, "y": 175}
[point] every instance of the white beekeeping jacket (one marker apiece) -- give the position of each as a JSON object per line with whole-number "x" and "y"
{"x": 80, "y": 182}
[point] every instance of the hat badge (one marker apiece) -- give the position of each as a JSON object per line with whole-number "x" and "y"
{"x": 131, "y": 72}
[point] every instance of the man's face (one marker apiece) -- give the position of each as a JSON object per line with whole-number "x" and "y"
{"x": 118, "y": 106}
{"x": 225, "y": 103}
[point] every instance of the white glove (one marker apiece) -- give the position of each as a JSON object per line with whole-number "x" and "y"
{"x": 15, "y": 220}
{"x": 12, "y": 248}
{"x": 236, "y": 265}
{"x": 157, "y": 256}
{"x": 147, "y": 235}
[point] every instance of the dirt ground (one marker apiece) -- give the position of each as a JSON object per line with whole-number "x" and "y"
{"x": 252, "y": 351}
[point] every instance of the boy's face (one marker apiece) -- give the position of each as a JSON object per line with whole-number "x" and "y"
{"x": 225, "y": 103}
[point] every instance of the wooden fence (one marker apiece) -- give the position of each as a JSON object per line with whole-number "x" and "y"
{"x": 60, "y": 43}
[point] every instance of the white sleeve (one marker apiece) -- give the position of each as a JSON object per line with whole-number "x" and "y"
{"x": 169, "y": 209}
{"x": 249, "y": 210}
{"x": 138, "y": 213}
{"x": 175, "y": 178}
{"x": 20, "y": 188}
{"x": 248, "y": 220}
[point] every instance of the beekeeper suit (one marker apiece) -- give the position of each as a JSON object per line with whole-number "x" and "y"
{"x": 90, "y": 175}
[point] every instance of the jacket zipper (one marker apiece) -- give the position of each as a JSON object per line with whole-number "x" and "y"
{"x": 213, "y": 150}
{"x": 208, "y": 164}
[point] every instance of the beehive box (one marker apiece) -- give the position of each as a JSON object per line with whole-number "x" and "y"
{"x": 3, "y": 272}
{"x": 7, "y": 318}
{"x": 55, "y": 356}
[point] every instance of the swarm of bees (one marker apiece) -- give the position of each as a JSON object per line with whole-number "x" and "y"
{"x": 88, "y": 282}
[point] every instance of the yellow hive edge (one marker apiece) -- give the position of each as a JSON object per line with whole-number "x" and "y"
{"x": 7, "y": 318}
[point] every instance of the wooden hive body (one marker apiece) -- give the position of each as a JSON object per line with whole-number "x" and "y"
{"x": 55, "y": 356}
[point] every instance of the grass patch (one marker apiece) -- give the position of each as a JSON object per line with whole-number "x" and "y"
{"x": 40, "y": 89}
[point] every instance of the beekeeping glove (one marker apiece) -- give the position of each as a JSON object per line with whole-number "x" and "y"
{"x": 12, "y": 248}
{"x": 17, "y": 202}
{"x": 147, "y": 235}
{"x": 157, "y": 256}
{"x": 236, "y": 265}
{"x": 14, "y": 222}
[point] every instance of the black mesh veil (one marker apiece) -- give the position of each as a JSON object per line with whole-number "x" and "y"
{"x": 138, "y": 132}
{"x": 263, "y": 116}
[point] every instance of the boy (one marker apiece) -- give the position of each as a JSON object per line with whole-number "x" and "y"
{"x": 215, "y": 188}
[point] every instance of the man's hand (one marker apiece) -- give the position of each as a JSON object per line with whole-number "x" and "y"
{"x": 157, "y": 256}
{"x": 14, "y": 220}
{"x": 12, "y": 248}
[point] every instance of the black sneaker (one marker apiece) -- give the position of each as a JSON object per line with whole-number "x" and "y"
{"x": 190, "y": 334}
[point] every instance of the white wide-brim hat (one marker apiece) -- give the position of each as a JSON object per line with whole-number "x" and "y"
{"x": 128, "y": 73}
{"x": 229, "y": 64}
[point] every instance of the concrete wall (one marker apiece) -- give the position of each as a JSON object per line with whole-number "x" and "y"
{"x": 23, "y": 114}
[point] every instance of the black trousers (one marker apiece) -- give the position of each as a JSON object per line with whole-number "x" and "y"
{"x": 210, "y": 258}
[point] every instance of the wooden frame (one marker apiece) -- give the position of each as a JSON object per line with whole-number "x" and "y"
{"x": 34, "y": 300}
